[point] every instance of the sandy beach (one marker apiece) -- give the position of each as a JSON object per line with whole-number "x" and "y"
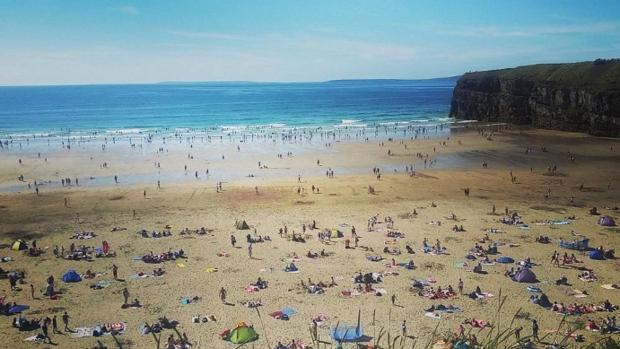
{"x": 281, "y": 194}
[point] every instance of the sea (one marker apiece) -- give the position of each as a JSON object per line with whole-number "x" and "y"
{"x": 217, "y": 108}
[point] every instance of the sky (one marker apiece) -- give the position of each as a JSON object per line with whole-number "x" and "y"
{"x": 107, "y": 41}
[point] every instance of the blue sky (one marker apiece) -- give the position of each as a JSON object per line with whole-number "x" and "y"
{"x": 64, "y": 42}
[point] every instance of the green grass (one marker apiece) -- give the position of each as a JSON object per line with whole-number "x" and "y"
{"x": 597, "y": 75}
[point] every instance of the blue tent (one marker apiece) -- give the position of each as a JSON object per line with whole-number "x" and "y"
{"x": 597, "y": 254}
{"x": 348, "y": 333}
{"x": 71, "y": 276}
{"x": 17, "y": 308}
{"x": 504, "y": 259}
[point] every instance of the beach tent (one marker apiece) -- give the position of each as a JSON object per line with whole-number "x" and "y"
{"x": 335, "y": 233}
{"x": 348, "y": 333}
{"x": 242, "y": 334}
{"x": 505, "y": 260}
{"x": 71, "y": 276}
{"x": 19, "y": 245}
{"x": 580, "y": 245}
{"x": 242, "y": 225}
{"x": 525, "y": 275}
{"x": 606, "y": 221}
{"x": 597, "y": 254}
{"x": 18, "y": 308}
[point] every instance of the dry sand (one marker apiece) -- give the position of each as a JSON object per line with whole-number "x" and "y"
{"x": 342, "y": 200}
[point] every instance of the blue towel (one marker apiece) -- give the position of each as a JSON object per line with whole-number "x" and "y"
{"x": 288, "y": 312}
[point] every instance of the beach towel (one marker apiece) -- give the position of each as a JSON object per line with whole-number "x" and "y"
{"x": 100, "y": 284}
{"x": 534, "y": 289}
{"x": 39, "y": 338}
{"x": 251, "y": 289}
{"x": 95, "y": 331}
{"x": 432, "y": 315}
{"x": 283, "y": 314}
{"x": 181, "y": 265}
{"x": 610, "y": 286}
{"x": 211, "y": 270}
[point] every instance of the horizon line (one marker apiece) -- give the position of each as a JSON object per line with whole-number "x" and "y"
{"x": 226, "y": 82}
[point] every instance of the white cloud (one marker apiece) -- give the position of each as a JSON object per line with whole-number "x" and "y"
{"x": 209, "y": 35}
{"x": 128, "y": 10}
{"x": 499, "y": 32}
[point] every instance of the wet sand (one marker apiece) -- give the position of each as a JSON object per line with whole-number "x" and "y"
{"x": 343, "y": 201}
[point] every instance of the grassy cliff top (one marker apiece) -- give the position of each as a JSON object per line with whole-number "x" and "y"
{"x": 600, "y": 74}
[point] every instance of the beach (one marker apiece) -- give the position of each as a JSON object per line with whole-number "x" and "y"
{"x": 281, "y": 194}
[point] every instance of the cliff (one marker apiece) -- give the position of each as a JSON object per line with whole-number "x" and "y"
{"x": 582, "y": 97}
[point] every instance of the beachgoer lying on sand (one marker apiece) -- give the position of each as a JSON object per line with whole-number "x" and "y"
{"x": 479, "y": 323}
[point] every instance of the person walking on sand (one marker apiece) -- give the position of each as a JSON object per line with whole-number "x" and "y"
{"x": 125, "y": 295}
{"x": 65, "y": 321}
{"x": 233, "y": 240}
{"x": 115, "y": 271}
{"x": 403, "y": 328}
{"x": 45, "y": 329}
{"x": 393, "y": 299}
{"x": 223, "y": 295}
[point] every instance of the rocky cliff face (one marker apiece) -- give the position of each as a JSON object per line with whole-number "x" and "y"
{"x": 582, "y": 97}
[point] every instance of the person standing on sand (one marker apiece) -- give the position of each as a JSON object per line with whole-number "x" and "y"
{"x": 55, "y": 325}
{"x": 250, "y": 250}
{"x": 461, "y": 284}
{"x": 223, "y": 295}
{"x": 393, "y": 299}
{"x": 403, "y": 328}
{"x": 32, "y": 291}
{"x": 233, "y": 240}
{"x": 65, "y": 321}
{"x": 125, "y": 295}
{"x": 115, "y": 271}
{"x": 535, "y": 330}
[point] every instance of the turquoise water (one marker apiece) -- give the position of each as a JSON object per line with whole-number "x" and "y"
{"x": 54, "y": 110}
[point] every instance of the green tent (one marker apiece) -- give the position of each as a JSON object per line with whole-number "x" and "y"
{"x": 242, "y": 334}
{"x": 242, "y": 225}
